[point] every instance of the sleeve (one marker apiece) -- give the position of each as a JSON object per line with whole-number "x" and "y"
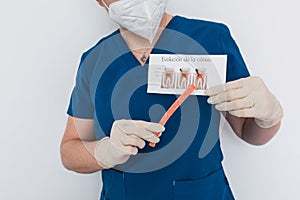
{"x": 236, "y": 67}
{"x": 81, "y": 105}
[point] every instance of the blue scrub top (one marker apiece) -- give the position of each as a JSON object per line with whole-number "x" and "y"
{"x": 111, "y": 85}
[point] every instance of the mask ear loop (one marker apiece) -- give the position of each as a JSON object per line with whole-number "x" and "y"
{"x": 106, "y": 6}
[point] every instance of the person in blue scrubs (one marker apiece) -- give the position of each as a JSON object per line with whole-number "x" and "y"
{"x": 112, "y": 117}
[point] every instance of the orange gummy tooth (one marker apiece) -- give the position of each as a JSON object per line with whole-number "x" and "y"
{"x": 174, "y": 107}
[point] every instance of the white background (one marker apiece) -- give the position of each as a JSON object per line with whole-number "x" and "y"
{"x": 40, "y": 45}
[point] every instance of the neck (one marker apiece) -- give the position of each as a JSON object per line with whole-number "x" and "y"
{"x": 136, "y": 42}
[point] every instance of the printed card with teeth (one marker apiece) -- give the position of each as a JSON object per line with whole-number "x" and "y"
{"x": 173, "y": 73}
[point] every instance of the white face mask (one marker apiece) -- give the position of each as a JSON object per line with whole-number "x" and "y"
{"x": 141, "y": 17}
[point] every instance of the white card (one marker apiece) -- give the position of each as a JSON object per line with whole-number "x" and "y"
{"x": 173, "y": 73}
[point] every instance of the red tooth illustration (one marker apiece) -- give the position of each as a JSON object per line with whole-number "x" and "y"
{"x": 184, "y": 78}
{"x": 201, "y": 77}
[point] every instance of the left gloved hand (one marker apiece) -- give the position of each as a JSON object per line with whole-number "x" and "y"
{"x": 249, "y": 98}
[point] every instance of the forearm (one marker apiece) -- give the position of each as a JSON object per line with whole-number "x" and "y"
{"x": 77, "y": 156}
{"x": 253, "y": 134}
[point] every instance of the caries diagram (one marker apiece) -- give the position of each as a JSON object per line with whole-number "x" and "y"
{"x": 174, "y": 73}
{"x": 182, "y": 78}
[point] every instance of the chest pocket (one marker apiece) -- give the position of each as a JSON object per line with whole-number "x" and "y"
{"x": 214, "y": 186}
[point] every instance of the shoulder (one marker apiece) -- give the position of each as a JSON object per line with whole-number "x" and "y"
{"x": 96, "y": 49}
{"x": 90, "y": 57}
{"x": 201, "y": 25}
{"x": 199, "y": 22}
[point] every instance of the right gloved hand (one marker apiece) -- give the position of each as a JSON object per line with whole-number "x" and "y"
{"x": 126, "y": 136}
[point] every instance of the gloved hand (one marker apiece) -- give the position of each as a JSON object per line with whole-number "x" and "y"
{"x": 126, "y": 136}
{"x": 247, "y": 97}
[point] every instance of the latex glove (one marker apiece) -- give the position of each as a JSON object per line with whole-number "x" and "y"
{"x": 126, "y": 136}
{"x": 249, "y": 98}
